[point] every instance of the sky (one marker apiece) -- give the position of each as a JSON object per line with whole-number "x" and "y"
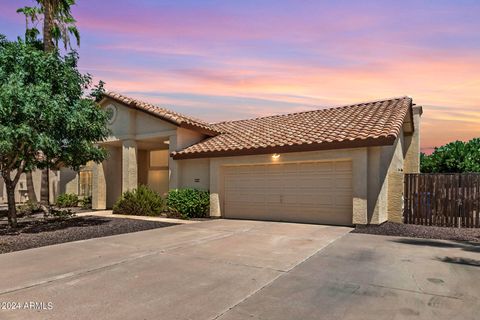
{"x": 225, "y": 60}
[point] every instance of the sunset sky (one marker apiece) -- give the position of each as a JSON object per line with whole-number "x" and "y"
{"x": 223, "y": 60}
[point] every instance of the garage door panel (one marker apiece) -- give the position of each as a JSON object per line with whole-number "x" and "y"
{"x": 315, "y": 192}
{"x": 246, "y": 198}
{"x": 324, "y": 166}
{"x": 342, "y": 200}
{"x": 342, "y": 183}
{"x": 343, "y": 166}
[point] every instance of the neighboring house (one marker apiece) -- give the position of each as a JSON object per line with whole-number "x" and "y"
{"x": 21, "y": 192}
{"x": 340, "y": 166}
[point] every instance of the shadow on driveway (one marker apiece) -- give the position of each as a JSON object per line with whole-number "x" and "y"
{"x": 462, "y": 245}
{"x": 463, "y": 261}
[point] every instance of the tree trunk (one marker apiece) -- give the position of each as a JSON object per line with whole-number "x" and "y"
{"x": 32, "y": 196}
{"x": 12, "y": 209}
{"x": 45, "y": 189}
{"x": 48, "y": 186}
{"x": 48, "y": 44}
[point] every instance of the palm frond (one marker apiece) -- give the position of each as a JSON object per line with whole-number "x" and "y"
{"x": 74, "y": 31}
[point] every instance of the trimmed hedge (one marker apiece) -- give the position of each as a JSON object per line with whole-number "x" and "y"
{"x": 190, "y": 203}
{"x": 67, "y": 200}
{"x": 142, "y": 201}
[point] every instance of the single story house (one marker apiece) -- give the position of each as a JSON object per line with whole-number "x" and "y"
{"x": 341, "y": 166}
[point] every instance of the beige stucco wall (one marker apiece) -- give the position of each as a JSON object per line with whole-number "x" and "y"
{"x": 112, "y": 169}
{"x": 385, "y": 181}
{"x": 181, "y": 140}
{"x": 395, "y": 180}
{"x": 107, "y": 179}
{"x": 194, "y": 173}
{"x": 376, "y": 187}
{"x": 410, "y": 154}
{"x": 133, "y": 124}
{"x": 378, "y": 163}
{"x": 412, "y": 144}
{"x": 68, "y": 181}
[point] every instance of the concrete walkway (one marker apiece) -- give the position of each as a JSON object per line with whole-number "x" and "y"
{"x": 109, "y": 214}
{"x": 190, "y": 271}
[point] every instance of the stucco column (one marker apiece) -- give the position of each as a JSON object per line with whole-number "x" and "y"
{"x": 395, "y": 196}
{"x": 360, "y": 186}
{"x": 172, "y": 164}
{"x": 412, "y": 142}
{"x": 129, "y": 165}
{"x": 99, "y": 187}
{"x": 215, "y": 210}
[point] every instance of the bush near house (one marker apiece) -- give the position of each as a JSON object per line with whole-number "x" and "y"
{"x": 86, "y": 202}
{"x": 142, "y": 201}
{"x": 29, "y": 207}
{"x": 454, "y": 157}
{"x": 67, "y": 200}
{"x": 190, "y": 203}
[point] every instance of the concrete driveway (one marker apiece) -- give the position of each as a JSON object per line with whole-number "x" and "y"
{"x": 229, "y": 269}
{"x": 195, "y": 271}
{"x": 375, "y": 277}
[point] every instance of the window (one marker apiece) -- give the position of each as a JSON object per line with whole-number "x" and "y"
{"x": 158, "y": 158}
{"x": 158, "y": 174}
{"x": 85, "y": 183}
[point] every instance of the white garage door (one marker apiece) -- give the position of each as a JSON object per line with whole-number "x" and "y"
{"x": 316, "y": 192}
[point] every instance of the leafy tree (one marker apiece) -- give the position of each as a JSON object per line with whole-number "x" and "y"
{"x": 58, "y": 23}
{"x": 472, "y": 156}
{"x": 453, "y": 157}
{"x": 48, "y": 114}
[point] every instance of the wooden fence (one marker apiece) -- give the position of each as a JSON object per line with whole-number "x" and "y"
{"x": 446, "y": 200}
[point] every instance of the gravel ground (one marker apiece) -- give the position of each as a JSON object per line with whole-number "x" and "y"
{"x": 415, "y": 231}
{"x": 39, "y": 233}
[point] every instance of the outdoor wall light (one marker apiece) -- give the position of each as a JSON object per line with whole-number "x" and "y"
{"x": 275, "y": 156}
{"x": 166, "y": 141}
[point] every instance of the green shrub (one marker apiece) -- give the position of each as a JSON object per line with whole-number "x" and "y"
{"x": 142, "y": 201}
{"x": 67, "y": 200}
{"x": 29, "y": 207}
{"x": 59, "y": 214}
{"x": 190, "y": 203}
{"x": 86, "y": 202}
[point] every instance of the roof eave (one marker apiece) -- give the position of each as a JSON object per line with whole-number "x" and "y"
{"x": 347, "y": 144}
{"x": 185, "y": 125}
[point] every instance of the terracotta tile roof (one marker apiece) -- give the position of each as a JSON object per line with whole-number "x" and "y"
{"x": 363, "y": 124}
{"x": 165, "y": 114}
